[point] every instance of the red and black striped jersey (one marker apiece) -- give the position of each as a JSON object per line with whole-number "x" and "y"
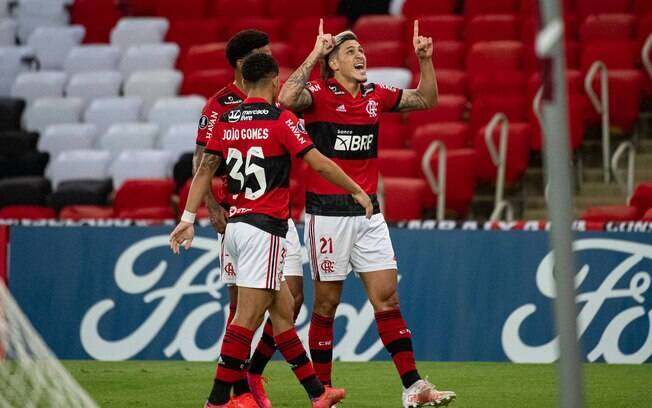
{"x": 345, "y": 129}
{"x": 257, "y": 141}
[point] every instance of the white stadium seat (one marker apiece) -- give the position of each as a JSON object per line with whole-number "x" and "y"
{"x": 49, "y": 111}
{"x": 12, "y": 63}
{"x": 128, "y": 136}
{"x": 8, "y": 31}
{"x": 67, "y": 136}
{"x": 149, "y": 57}
{"x": 171, "y": 111}
{"x": 397, "y": 77}
{"x": 104, "y": 112}
{"x": 32, "y": 14}
{"x": 140, "y": 30}
{"x": 94, "y": 84}
{"x": 92, "y": 58}
{"x": 140, "y": 164}
{"x": 79, "y": 164}
{"x": 153, "y": 85}
{"x": 179, "y": 139}
{"x": 52, "y": 44}
{"x": 41, "y": 84}
{"x": 4, "y": 8}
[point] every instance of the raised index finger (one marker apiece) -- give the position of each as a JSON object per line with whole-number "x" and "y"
{"x": 321, "y": 26}
{"x": 416, "y": 29}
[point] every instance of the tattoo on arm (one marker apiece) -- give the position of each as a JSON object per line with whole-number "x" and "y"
{"x": 196, "y": 158}
{"x": 294, "y": 87}
{"x": 209, "y": 163}
{"x": 411, "y": 100}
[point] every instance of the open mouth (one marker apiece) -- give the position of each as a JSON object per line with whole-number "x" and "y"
{"x": 359, "y": 67}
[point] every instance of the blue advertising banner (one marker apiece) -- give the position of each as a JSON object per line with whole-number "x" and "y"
{"x": 119, "y": 293}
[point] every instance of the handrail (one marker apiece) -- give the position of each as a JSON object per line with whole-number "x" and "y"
{"x": 646, "y": 55}
{"x": 437, "y": 184}
{"x": 627, "y": 186}
{"x": 500, "y": 207}
{"x": 498, "y": 157}
{"x": 536, "y": 105}
{"x": 602, "y": 107}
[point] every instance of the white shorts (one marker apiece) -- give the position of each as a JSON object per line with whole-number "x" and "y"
{"x": 293, "y": 265}
{"x": 257, "y": 256}
{"x": 338, "y": 245}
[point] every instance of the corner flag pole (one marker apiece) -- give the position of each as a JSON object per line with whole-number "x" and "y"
{"x": 550, "y": 49}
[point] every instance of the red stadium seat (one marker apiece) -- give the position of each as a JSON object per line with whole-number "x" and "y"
{"x": 493, "y": 27}
{"x": 574, "y": 80}
{"x": 642, "y": 197}
{"x": 625, "y": 92}
{"x": 450, "y": 108}
{"x": 173, "y": 9}
{"x": 585, "y": 8}
{"x": 447, "y": 54}
{"x": 272, "y": 26}
{"x": 293, "y": 9}
{"x": 608, "y": 27}
{"x": 398, "y": 163}
{"x": 516, "y": 108}
{"x": 380, "y": 28}
{"x": 518, "y": 153}
{"x": 385, "y": 54}
{"x": 282, "y": 52}
{"x": 185, "y": 189}
{"x": 140, "y": 7}
{"x": 135, "y": 194}
{"x": 205, "y": 56}
{"x": 449, "y": 81}
{"x": 85, "y": 212}
{"x": 238, "y": 8}
{"x": 453, "y": 135}
{"x": 418, "y": 8}
{"x": 192, "y": 32}
{"x": 440, "y": 28}
{"x": 302, "y": 33}
{"x": 647, "y": 216}
{"x": 611, "y": 213}
{"x": 28, "y": 212}
{"x": 147, "y": 213}
{"x": 403, "y": 198}
{"x": 460, "y": 180}
{"x": 530, "y": 8}
{"x": 512, "y": 83}
{"x": 205, "y": 82}
{"x": 642, "y": 7}
{"x": 98, "y": 18}
{"x": 392, "y": 136}
{"x": 494, "y": 56}
{"x": 475, "y": 7}
{"x": 577, "y": 117}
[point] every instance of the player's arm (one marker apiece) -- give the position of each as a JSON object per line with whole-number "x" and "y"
{"x": 218, "y": 215}
{"x": 333, "y": 173}
{"x": 426, "y": 95}
{"x": 294, "y": 95}
{"x": 201, "y": 184}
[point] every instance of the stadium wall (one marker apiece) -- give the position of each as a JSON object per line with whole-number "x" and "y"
{"x": 112, "y": 293}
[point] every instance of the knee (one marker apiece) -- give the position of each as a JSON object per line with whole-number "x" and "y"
{"x": 298, "y": 302}
{"x": 385, "y": 300}
{"x": 326, "y": 305}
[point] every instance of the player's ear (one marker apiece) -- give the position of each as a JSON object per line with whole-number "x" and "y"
{"x": 333, "y": 63}
{"x": 238, "y": 64}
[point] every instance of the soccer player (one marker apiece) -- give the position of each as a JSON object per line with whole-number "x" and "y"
{"x": 242, "y": 44}
{"x": 342, "y": 115}
{"x": 256, "y": 139}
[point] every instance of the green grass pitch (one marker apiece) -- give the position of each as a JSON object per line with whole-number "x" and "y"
{"x": 369, "y": 385}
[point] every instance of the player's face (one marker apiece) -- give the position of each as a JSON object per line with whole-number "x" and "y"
{"x": 350, "y": 61}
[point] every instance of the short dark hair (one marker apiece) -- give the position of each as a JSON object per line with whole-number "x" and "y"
{"x": 243, "y": 43}
{"x": 340, "y": 39}
{"x": 259, "y": 66}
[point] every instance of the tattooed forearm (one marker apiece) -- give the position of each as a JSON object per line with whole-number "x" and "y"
{"x": 209, "y": 163}
{"x": 412, "y": 100}
{"x": 196, "y": 158}
{"x": 293, "y": 95}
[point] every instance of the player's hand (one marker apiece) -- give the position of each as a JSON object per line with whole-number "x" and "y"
{"x": 325, "y": 42}
{"x": 422, "y": 45}
{"x": 183, "y": 234}
{"x": 363, "y": 199}
{"x": 218, "y": 217}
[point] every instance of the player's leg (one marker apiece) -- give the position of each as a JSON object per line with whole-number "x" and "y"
{"x": 227, "y": 275}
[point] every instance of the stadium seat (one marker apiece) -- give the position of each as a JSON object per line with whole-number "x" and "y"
{"x": 31, "y": 163}
{"x": 171, "y": 111}
{"x": 615, "y": 55}
{"x": 148, "y": 57}
{"x": 611, "y": 213}
{"x": 380, "y": 28}
{"x": 27, "y": 212}
{"x": 141, "y": 8}
{"x": 516, "y": 108}
{"x": 492, "y": 27}
{"x": 238, "y": 8}
{"x": 148, "y": 193}
{"x": 608, "y": 27}
{"x": 642, "y": 7}
{"x": 15, "y": 143}
{"x": 94, "y": 84}
{"x": 456, "y": 135}
{"x": 505, "y": 83}
{"x": 447, "y": 54}
{"x": 151, "y": 86}
{"x": 132, "y": 31}
{"x": 128, "y": 136}
{"x": 397, "y": 77}
{"x": 80, "y": 192}
{"x": 98, "y": 18}
{"x": 403, "y": 198}
{"x": 476, "y": 7}
{"x": 647, "y": 216}
{"x": 440, "y": 28}
{"x": 392, "y": 136}
{"x": 461, "y": 176}
{"x": 173, "y": 10}
{"x": 33, "y": 85}
{"x": 205, "y": 56}
{"x": 272, "y": 26}
{"x": 418, "y": 8}
{"x": 449, "y": 81}
{"x": 140, "y": 164}
{"x": 642, "y": 197}
{"x": 104, "y": 112}
{"x": 68, "y": 136}
{"x": 91, "y": 58}
{"x": 530, "y": 8}
{"x": 292, "y": 9}
{"x": 179, "y": 139}
{"x": 577, "y": 107}
{"x": 52, "y": 44}
{"x": 79, "y": 164}
{"x": 11, "y": 110}
{"x": 8, "y": 32}
{"x": 14, "y": 61}
{"x": 32, "y": 14}
{"x": 451, "y": 108}
{"x": 24, "y": 191}
{"x": 51, "y": 111}
{"x": 205, "y": 82}
{"x": 216, "y": 186}
{"x": 625, "y": 92}
{"x": 85, "y": 212}
{"x": 195, "y": 31}
{"x": 398, "y": 163}
{"x": 385, "y": 54}
{"x": 518, "y": 153}
{"x": 494, "y": 56}
{"x": 585, "y": 8}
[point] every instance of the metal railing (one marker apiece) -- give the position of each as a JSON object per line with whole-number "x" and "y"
{"x": 627, "y": 185}
{"x": 499, "y": 158}
{"x": 437, "y": 184}
{"x": 646, "y": 55}
{"x": 601, "y": 105}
